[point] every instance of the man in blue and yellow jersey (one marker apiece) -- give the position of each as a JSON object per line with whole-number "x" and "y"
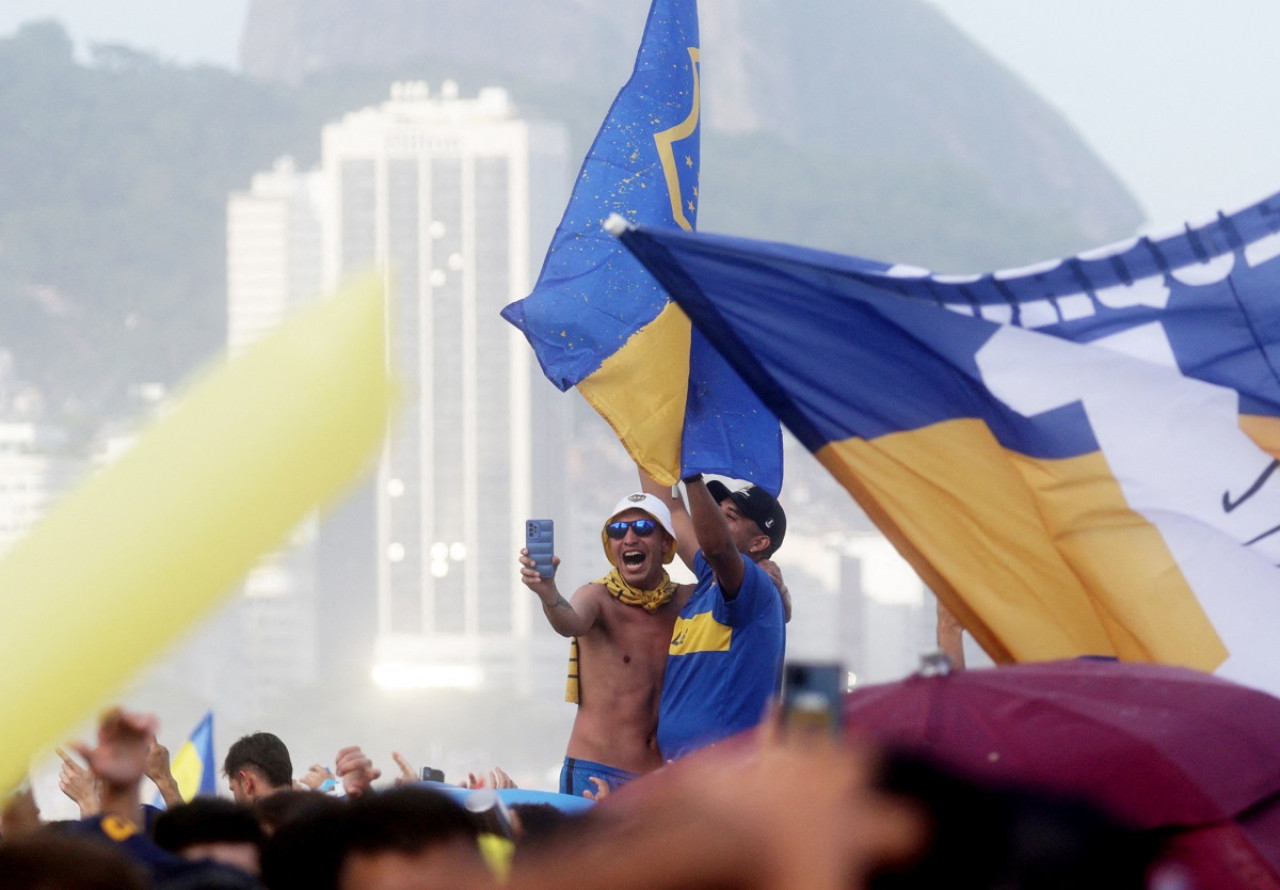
{"x": 724, "y": 664}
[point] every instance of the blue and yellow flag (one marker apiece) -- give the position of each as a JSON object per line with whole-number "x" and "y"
{"x": 193, "y": 767}
{"x": 1078, "y": 457}
{"x": 598, "y": 321}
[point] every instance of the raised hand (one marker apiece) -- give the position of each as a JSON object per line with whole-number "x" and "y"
{"x": 356, "y": 771}
{"x": 79, "y": 784}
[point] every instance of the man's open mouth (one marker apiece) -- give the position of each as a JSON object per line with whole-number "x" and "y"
{"x": 633, "y": 558}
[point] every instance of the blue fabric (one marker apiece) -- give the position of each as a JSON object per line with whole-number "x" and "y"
{"x": 1209, "y": 290}
{"x": 193, "y": 766}
{"x": 517, "y": 796}
{"x": 1078, "y": 458}
{"x": 725, "y": 663}
{"x": 202, "y": 742}
{"x": 575, "y": 776}
{"x": 592, "y": 297}
{"x": 124, "y": 836}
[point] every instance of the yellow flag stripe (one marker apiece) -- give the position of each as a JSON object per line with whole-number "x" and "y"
{"x": 1012, "y": 546}
{"x": 641, "y": 390}
{"x": 187, "y": 769}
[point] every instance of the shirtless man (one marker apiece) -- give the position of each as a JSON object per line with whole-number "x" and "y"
{"x": 622, "y": 627}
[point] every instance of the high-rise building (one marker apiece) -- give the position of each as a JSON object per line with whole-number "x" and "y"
{"x": 274, "y": 266}
{"x": 273, "y": 250}
{"x": 453, "y": 200}
{"x": 34, "y": 472}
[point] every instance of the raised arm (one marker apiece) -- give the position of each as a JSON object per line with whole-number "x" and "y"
{"x": 160, "y": 772}
{"x": 119, "y": 761}
{"x": 686, "y": 539}
{"x": 355, "y": 770}
{"x": 569, "y": 619}
{"x": 714, "y": 538}
{"x": 79, "y": 784}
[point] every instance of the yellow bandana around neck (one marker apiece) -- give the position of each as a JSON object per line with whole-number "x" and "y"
{"x": 649, "y": 600}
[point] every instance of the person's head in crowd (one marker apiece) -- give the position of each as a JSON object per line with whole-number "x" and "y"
{"x": 536, "y": 823}
{"x": 406, "y": 837}
{"x": 50, "y": 860}
{"x": 212, "y": 828}
{"x": 304, "y": 849}
{"x": 285, "y": 806}
{"x": 258, "y": 766}
{"x": 638, "y": 539}
{"x": 756, "y": 519}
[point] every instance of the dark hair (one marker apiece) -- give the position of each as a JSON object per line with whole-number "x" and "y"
{"x": 51, "y": 860}
{"x": 266, "y": 753}
{"x": 207, "y": 820}
{"x": 542, "y": 823}
{"x": 758, "y": 505}
{"x": 405, "y": 820}
{"x": 281, "y": 808}
{"x": 305, "y": 850}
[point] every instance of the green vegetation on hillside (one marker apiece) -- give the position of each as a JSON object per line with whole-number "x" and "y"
{"x": 116, "y": 175}
{"x": 111, "y": 213}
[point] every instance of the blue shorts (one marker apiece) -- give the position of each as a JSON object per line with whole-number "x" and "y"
{"x": 575, "y": 776}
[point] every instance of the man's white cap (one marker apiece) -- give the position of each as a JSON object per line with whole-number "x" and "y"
{"x": 648, "y": 504}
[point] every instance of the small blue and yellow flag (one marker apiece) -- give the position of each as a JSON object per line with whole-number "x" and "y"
{"x": 1078, "y": 457}
{"x": 193, "y": 767}
{"x": 598, "y": 321}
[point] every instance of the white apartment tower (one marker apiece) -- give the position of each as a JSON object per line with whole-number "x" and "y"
{"x": 273, "y": 268}
{"x": 273, "y": 251}
{"x": 454, "y": 201}
{"x": 32, "y": 476}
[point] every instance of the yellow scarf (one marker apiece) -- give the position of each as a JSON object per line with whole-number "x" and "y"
{"x": 649, "y": 600}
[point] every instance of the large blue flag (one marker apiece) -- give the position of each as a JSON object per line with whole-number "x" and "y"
{"x": 598, "y": 321}
{"x": 1077, "y": 457}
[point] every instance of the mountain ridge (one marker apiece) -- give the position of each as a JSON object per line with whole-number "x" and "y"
{"x": 112, "y": 209}
{"x": 866, "y": 79}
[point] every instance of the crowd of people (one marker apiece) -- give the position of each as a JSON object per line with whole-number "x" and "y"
{"x": 768, "y": 809}
{"x": 671, "y": 777}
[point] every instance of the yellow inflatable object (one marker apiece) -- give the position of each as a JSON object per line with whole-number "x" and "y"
{"x": 145, "y": 547}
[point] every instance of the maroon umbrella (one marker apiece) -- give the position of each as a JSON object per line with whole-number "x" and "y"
{"x": 1163, "y": 748}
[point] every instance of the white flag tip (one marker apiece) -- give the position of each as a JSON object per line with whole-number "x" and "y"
{"x": 615, "y": 224}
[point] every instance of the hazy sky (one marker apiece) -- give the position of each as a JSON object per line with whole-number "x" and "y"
{"x": 1180, "y": 98}
{"x": 184, "y": 31}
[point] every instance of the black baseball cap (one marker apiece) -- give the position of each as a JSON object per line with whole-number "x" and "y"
{"x": 757, "y": 505}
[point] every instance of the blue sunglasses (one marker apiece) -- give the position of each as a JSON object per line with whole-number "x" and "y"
{"x": 642, "y": 527}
